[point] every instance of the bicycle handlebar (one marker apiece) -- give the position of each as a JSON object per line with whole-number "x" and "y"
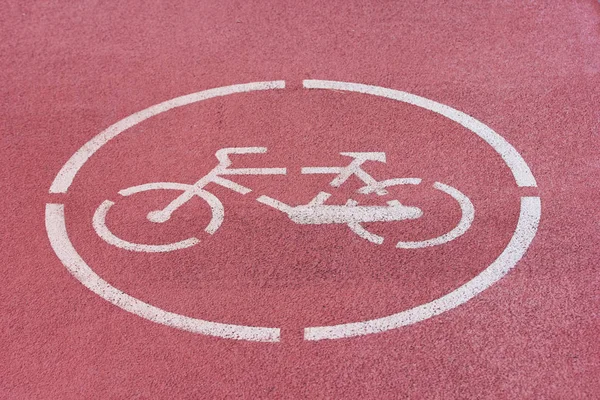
{"x": 223, "y": 154}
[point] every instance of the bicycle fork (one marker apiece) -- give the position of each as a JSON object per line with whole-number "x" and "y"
{"x": 216, "y": 176}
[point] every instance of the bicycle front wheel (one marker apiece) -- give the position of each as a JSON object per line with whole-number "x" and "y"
{"x": 99, "y": 219}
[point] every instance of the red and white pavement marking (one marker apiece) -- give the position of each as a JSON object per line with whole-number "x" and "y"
{"x": 314, "y": 201}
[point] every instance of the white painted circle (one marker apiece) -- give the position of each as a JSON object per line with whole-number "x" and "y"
{"x": 524, "y": 233}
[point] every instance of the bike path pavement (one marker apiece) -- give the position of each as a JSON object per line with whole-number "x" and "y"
{"x": 414, "y": 119}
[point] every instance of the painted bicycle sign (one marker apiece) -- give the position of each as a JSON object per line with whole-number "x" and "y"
{"x": 357, "y": 210}
{"x": 315, "y": 212}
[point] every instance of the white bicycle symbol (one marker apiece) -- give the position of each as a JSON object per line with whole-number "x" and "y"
{"x": 315, "y": 212}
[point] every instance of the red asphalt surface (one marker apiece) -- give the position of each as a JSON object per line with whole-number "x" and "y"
{"x": 529, "y": 70}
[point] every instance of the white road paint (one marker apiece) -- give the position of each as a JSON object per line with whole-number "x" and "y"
{"x": 365, "y": 234}
{"x": 99, "y": 219}
{"x": 57, "y": 233}
{"x": 351, "y": 214}
{"x": 99, "y": 223}
{"x": 526, "y": 228}
{"x": 59, "y": 239}
{"x": 466, "y": 219}
{"x": 67, "y": 173}
{"x": 352, "y": 169}
{"x": 511, "y": 157}
{"x": 311, "y": 214}
{"x": 316, "y": 212}
{"x": 216, "y": 207}
{"x": 187, "y": 193}
{"x": 216, "y": 176}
